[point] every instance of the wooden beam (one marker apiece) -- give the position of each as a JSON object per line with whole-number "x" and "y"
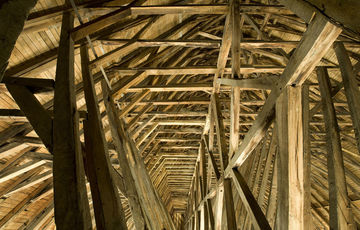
{"x": 222, "y": 146}
{"x": 10, "y": 12}
{"x": 258, "y": 218}
{"x": 35, "y": 113}
{"x": 108, "y": 210}
{"x": 306, "y": 155}
{"x": 16, "y": 171}
{"x": 341, "y": 216}
{"x": 151, "y": 201}
{"x": 320, "y": 33}
{"x": 70, "y": 195}
{"x": 351, "y": 88}
{"x": 249, "y": 84}
{"x": 289, "y": 125}
{"x": 35, "y": 85}
{"x": 246, "y": 69}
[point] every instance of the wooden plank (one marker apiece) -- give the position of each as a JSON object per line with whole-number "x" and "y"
{"x": 249, "y": 84}
{"x": 306, "y": 156}
{"x": 341, "y": 216}
{"x": 31, "y": 182}
{"x": 16, "y": 171}
{"x": 22, "y": 203}
{"x": 320, "y": 33}
{"x": 108, "y": 210}
{"x": 351, "y": 88}
{"x": 258, "y": 218}
{"x": 70, "y": 196}
{"x": 246, "y": 69}
{"x": 290, "y": 209}
{"x": 35, "y": 113}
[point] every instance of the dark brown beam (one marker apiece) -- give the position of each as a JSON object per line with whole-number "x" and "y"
{"x": 13, "y": 15}
{"x": 70, "y": 195}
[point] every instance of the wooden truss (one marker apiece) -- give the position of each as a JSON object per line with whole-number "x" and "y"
{"x": 186, "y": 115}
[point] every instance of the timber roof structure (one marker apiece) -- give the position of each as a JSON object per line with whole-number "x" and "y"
{"x": 227, "y": 114}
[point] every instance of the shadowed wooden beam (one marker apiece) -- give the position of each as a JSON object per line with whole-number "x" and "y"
{"x": 35, "y": 113}
{"x": 258, "y": 218}
{"x": 334, "y": 10}
{"x": 341, "y": 216}
{"x": 108, "y": 210}
{"x": 70, "y": 195}
{"x": 351, "y": 88}
{"x": 35, "y": 85}
{"x": 13, "y": 15}
{"x": 316, "y": 41}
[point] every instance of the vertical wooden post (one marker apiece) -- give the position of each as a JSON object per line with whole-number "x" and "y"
{"x": 340, "y": 210}
{"x": 290, "y": 212}
{"x": 203, "y": 179}
{"x": 224, "y": 160}
{"x": 108, "y": 210}
{"x": 306, "y": 156}
{"x": 235, "y": 91}
{"x": 351, "y": 88}
{"x": 70, "y": 196}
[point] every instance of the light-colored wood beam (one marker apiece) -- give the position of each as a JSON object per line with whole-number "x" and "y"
{"x": 320, "y": 33}
{"x": 289, "y": 125}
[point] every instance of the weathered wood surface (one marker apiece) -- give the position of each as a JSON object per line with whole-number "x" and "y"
{"x": 341, "y": 216}
{"x": 108, "y": 210}
{"x": 13, "y": 15}
{"x": 70, "y": 195}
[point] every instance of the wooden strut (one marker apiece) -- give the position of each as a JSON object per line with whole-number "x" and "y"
{"x": 70, "y": 195}
{"x": 108, "y": 210}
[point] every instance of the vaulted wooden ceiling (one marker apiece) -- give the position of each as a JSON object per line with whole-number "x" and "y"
{"x": 178, "y": 72}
